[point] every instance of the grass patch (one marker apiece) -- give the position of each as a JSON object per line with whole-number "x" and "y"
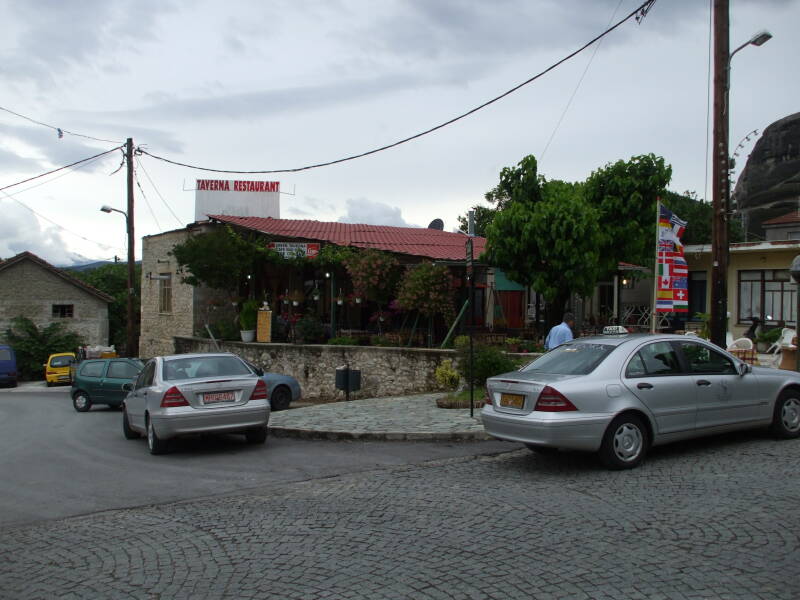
{"x": 461, "y": 399}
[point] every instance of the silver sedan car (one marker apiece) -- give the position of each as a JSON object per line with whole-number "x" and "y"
{"x": 618, "y": 395}
{"x": 195, "y": 393}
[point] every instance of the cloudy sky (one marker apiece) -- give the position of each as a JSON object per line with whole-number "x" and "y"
{"x": 256, "y": 85}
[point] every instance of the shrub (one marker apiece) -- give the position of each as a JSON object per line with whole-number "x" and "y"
{"x": 461, "y": 341}
{"x": 770, "y": 336}
{"x": 223, "y": 330}
{"x": 381, "y": 340}
{"x": 249, "y": 315}
{"x": 33, "y": 345}
{"x": 488, "y": 362}
{"x": 446, "y": 376}
{"x": 309, "y": 329}
{"x": 343, "y": 341}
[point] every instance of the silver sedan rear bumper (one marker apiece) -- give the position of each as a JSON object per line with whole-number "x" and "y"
{"x": 218, "y": 420}
{"x": 557, "y": 430}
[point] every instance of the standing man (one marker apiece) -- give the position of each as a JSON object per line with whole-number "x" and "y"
{"x": 560, "y": 333}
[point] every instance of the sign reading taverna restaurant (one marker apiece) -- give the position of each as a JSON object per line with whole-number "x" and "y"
{"x": 237, "y": 198}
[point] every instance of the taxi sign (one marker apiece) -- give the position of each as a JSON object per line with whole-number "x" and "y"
{"x": 614, "y": 330}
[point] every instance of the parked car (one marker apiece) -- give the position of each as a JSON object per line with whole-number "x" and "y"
{"x": 100, "y": 381}
{"x": 57, "y": 368}
{"x": 8, "y": 366}
{"x": 282, "y": 390}
{"x": 619, "y": 395}
{"x": 195, "y": 393}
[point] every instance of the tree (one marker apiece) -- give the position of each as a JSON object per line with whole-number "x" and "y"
{"x": 483, "y": 216}
{"x": 698, "y": 215}
{"x": 113, "y": 280}
{"x": 220, "y": 259}
{"x": 547, "y": 237}
{"x": 33, "y": 345}
{"x": 625, "y": 195}
{"x": 427, "y": 288}
{"x": 374, "y": 275}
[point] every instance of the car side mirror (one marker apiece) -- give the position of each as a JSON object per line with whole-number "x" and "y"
{"x": 744, "y": 368}
{"x": 128, "y": 387}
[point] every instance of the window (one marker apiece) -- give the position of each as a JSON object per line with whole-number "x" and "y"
{"x": 145, "y": 378}
{"x": 768, "y": 295}
{"x": 203, "y": 366}
{"x": 92, "y": 368}
{"x": 703, "y": 359}
{"x": 576, "y": 358}
{"x": 63, "y": 311}
{"x": 121, "y": 369}
{"x": 5, "y": 354}
{"x": 658, "y": 358}
{"x": 165, "y": 293}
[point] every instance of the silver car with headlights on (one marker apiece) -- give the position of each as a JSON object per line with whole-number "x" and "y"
{"x": 619, "y": 395}
{"x": 195, "y": 393}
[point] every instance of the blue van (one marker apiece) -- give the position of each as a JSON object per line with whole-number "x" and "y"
{"x": 8, "y": 366}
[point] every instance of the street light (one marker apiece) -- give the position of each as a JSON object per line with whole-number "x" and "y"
{"x": 720, "y": 251}
{"x": 129, "y": 349}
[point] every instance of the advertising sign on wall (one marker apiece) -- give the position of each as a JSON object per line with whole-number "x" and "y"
{"x": 238, "y": 198}
{"x": 295, "y": 249}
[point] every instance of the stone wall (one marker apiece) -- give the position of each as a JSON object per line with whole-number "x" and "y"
{"x": 384, "y": 371}
{"x": 28, "y": 290}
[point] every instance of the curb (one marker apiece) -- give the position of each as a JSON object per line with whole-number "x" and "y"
{"x": 387, "y": 436}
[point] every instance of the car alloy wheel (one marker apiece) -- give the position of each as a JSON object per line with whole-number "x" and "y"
{"x": 628, "y": 442}
{"x": 154, "y": 444}
{"x": 790, "y": 415}
{"x": 81, "y": 402}
{"x": 786, "y": 419}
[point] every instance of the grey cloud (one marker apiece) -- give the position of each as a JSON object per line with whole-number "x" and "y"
{"x": 317, "y": 205}
{"x": 12, "y": 161}
{"x": 269, "y": 103}
{"x": 20, "y": 231}
{"x": 56, "y": 151}
{"x": 364, "y": 211}
{"x": 298, "y": 212}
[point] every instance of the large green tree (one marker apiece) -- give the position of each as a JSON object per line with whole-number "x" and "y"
{"x": 113, "y": 280}
{"x": 698, "y": 215}
{"x": 33, "y": 345}
{"x": 545, "y": 236}
{"x": 625, "y": 194}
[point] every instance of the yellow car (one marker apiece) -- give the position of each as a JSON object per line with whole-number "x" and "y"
{"x": 56, "y": 370}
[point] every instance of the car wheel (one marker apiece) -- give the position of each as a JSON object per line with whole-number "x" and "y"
{"x": 129, "y": 433}
{"x": 786, "y": 418}
{"x": 81, "y": 401}
{"x": 281, "y": 398}
{"x": 256, "y": 436}
{"x": 49, "y": 383}
{"x": 155, "y": 444}
{"x": 624, "y": 443}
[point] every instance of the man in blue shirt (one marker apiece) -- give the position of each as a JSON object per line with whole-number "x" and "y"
{"x": 560, "y": 333}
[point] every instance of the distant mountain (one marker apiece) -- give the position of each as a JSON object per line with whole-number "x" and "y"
{"x": 91, "y": 265}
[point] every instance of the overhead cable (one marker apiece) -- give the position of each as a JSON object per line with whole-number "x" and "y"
{"x": 639, "y": 13}
{"x": 77, "y": 162}
{"x": 59, "y": 130}
{"x": 153, "y": 184}
{"x": 146, "y": 201}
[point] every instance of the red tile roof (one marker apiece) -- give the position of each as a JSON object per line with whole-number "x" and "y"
{"x": 792, "y": 217}
{"x": 414, "y": 241}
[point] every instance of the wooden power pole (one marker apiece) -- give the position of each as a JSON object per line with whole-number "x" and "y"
{"x": 720, "y": 177}
{"x": 131, "y": 346}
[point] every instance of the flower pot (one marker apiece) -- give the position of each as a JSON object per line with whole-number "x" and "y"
{"x": 340, "y": 302}
{"x": 248, "y": 335}
{"x": 316, "y": 297}
{"x": 295, "y": 303}
{"x": 358, "y": 300}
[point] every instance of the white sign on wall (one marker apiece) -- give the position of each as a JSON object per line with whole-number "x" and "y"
{"x": 236, "y": 198}
{"x": 295, "y": 249}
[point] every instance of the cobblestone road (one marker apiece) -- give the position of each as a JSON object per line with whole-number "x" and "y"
{"x": 712, "y": 519}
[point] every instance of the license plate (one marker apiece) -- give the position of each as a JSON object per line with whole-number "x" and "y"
{"x": 512, "y": 400}
{"x": 217, "y": 397}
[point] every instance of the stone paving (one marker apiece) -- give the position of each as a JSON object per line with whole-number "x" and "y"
{"x": 398, "y": 418}
{"x": 715, "y": 518}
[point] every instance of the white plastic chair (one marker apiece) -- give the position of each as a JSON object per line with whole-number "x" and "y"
{"x": 742, "y": 343}
{"x": 729, "y": 340}
{"x": 785, "y": 340}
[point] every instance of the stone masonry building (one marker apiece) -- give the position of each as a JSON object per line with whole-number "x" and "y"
{"x": 33, "y": 288}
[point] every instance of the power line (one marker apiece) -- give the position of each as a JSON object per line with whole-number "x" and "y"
{"x": 638, "y": 13}
{"x": 77, "y": 162}
{"x": 152, "y": 183}
{"x": 146, "y": 201}
{"x": 577, "y": 87}
{"x": 41, "y": 216}
{"x": 59, "y": 130}
{"x": 64, "y": 174}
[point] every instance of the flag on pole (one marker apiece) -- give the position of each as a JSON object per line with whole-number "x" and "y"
{"x": 672, "y": 270}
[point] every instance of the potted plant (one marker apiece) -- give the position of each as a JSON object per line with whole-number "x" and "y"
{"x": 247, "y": 320}
{"x": 296, "y": 297}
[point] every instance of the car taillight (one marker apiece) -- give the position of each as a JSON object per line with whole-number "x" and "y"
{"x": 260, "y": 391}
{"x": 173, "y": 397}
{"x": 551, "y": 400}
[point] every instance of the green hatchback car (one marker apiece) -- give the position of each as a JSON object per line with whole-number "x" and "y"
{"x": 100, "y": 381}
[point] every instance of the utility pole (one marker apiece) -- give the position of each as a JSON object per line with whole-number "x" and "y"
{"x": 720, "y": 177}
{"x": 130, "y": 349}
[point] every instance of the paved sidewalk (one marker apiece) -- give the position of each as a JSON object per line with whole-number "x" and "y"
{"x": 35, "y": 386}
{"x": 396, "y": 418}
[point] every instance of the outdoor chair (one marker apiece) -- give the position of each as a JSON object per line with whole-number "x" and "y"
{"x": 785, "y": 340}
{"x": 741, "y": 343}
